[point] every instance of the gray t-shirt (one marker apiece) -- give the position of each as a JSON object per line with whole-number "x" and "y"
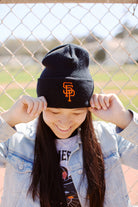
{"x": 64, "y": 148}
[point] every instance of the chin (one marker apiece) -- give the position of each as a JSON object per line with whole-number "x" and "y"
{"x": 63, "y": 136}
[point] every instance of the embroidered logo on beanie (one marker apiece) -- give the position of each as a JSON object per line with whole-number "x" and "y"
{"x": 68, "y": 91}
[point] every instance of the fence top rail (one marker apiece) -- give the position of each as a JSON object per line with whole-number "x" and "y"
{"x": 67, "y": 1}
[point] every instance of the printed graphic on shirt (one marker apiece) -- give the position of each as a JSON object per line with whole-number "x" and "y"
{"x": 70, "y": 191}
{"x": 64, "y": 155}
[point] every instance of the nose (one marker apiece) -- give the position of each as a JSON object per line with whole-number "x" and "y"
{"x": 64, "y": 120}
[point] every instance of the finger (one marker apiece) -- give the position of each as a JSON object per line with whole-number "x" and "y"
{"x": 42, "y": 98}
{"x": 35, "y": 107}
{"x": 96, "y": 102}
{"x": 26, "y": 100}
{"x": 102, "y": 102}
{"x": 41, "y": 107}
{"x": 107, "y": 101}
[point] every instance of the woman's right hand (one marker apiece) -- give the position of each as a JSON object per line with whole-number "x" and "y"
{"x": 24, "y": 110}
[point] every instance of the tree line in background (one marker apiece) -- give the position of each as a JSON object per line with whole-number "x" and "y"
{"x": 39, "y": 48}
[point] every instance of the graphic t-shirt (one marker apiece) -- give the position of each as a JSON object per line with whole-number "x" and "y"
{"x": 64, "y": 148}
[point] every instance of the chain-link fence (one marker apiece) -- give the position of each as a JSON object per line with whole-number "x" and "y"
{"x": 108, "y": 31}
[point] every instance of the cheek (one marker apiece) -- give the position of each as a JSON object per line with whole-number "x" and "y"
{"x": 47, "y": 118}
{"x": 80, "y": 119}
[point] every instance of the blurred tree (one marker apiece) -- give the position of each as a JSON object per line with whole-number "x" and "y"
{"x": 100, "y": 55}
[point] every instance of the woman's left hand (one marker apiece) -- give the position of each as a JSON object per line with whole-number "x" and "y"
{"x": 109, "y": 108}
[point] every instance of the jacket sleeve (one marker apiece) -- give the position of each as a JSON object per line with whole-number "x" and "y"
{"x": 5, "y": 133}
{"x": 127, "y": 143}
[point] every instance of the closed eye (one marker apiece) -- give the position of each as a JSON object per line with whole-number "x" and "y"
{"x": 77, "y": 113}
{"x": 53, "y": 112}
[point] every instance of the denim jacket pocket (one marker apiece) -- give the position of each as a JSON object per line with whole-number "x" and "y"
{"x": 111, "y": 160}
{"x": 18, "y": 180}
{"x": 21, "y": 182}
{"x": 20, "y": 165}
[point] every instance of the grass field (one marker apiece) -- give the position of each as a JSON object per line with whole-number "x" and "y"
{"x": 15, "y": 81}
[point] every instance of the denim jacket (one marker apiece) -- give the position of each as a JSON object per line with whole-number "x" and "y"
{"x": 17, "y": 154}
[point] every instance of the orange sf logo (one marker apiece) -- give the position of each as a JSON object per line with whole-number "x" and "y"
{"x": 68, "y": 91}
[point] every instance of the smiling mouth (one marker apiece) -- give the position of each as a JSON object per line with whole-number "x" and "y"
{"x": 62, "y": 129}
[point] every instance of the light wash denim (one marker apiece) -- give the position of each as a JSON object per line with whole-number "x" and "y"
{"x": 17, "y": 152}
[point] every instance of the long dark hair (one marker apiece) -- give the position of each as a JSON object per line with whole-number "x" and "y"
{"x": 46, "y": 174}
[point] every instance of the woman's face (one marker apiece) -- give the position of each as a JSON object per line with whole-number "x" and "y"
{"x": 63, "y": 122}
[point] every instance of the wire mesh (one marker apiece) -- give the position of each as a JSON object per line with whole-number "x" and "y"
{"x": 109, "y": 32}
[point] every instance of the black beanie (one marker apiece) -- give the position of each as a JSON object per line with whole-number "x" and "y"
{"x": 66, "y": 81}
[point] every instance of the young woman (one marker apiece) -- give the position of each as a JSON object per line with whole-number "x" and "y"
{"x": 63, "y": 158}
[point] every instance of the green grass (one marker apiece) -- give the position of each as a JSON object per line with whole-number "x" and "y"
{"x": 116, "y": 74}
{"x": 18, "y": 74}
{"x": 129, "y": 102}
{"x": 7, "y": 100}
{"x": 105, "y": 79}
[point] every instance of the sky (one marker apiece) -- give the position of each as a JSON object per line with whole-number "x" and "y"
{"x": 45, "y": 21}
